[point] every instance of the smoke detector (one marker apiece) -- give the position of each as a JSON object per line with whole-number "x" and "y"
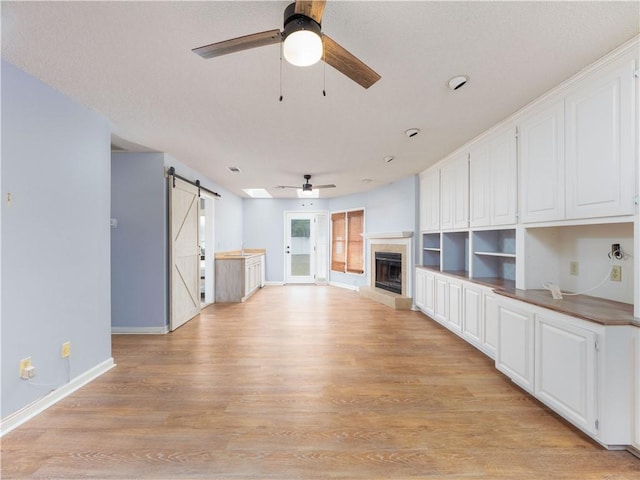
{"x": 457, "y": 82}
{"x": 412, "y": 132}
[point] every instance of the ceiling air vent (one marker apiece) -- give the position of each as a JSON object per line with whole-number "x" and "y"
{"x": 234, "y": 169}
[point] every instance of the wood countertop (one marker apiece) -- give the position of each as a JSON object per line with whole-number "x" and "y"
{"x": 592, "y": 309}
{"x": 237, "y": 254}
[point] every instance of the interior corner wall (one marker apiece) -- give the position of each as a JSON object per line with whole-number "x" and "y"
{"x": 389, "y": 208}
{"x": 55, "y": 253}
{"x": 139, "y": 252}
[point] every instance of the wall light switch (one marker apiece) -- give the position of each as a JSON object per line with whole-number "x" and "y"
{"x": 114, "y": 223}
{"x": 573, "y": 268}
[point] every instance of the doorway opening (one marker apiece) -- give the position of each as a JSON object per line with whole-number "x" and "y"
{"x": 306, "y": 247}
{"x": 206, "y": 243}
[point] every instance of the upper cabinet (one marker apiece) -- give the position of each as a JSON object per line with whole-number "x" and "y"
{"x": 493, "y": 181}
{"x": 541, "y": 145}
{"x": 599, "y": 144}
{"x": 430, "y": 201}
{"x": 454, "y": 193}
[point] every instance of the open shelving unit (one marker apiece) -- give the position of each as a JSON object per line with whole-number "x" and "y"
{"x": 455, "y": 253}
{"x": 494, "y": 255}
{"x": 431, "y": 250}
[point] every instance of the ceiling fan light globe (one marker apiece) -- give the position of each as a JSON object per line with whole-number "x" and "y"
{"x": 302, "y": 48}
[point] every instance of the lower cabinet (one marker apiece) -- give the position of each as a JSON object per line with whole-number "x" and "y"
{"x": 637, "y": 377}
{"x": 238, "y": 277}
{"x": 514, "y": 357}
{"x": 454, "y": 305}
{"x": 566, "y": 368}
{"x": 440, "y": 300}
{"x": 489, "y": 335}
{"x": 472, "y": 314}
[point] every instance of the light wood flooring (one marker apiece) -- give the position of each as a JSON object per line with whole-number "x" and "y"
{"x": 304, "y": 382}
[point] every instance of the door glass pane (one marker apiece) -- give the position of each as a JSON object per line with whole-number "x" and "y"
{"x": 300, "y": 247}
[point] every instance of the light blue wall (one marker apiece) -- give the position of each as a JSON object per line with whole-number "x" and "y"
{"x": 389, "y": 208}
{"x": 55, "y": 252}
{"x": 140, "y": 264}
{"x": 139, "y": 257}
{"x": 263, "y": 227}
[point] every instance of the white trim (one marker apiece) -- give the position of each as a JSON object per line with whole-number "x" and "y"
{"x": 20, "y": 417}
{"x": 355, "y": 288}
{"x": 274, "y": 283}
{"x": 388, "y": 235}
{"x": 140, "y": 330}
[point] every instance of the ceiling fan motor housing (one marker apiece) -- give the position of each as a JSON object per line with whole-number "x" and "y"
{"x": 294, "y": 22}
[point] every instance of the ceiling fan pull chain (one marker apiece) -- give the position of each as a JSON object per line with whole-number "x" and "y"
{"x": 324, "y": 74}
{"x": 281, "y": 72}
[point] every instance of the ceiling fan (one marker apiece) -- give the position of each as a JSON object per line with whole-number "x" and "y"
{"x": 306, "y": 186}
{"x": 303, "y": 43}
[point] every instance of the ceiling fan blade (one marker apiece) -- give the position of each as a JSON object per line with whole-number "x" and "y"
{"x": 324, "y": 186}
{"x": 285, "y": 186}
{"x": 238, "y": 44}
{"x": 348, "y": 64}
{"x": 313, "y": 9}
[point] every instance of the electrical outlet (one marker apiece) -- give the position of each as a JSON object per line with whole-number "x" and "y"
{"x": 66, "y": 350}
{"x": 573, "y": 268}
{"x": 25, "y": 363}
{"x": 616, "y": 273}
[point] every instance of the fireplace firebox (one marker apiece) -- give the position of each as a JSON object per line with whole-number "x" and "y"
{"x": 389, "y": 271}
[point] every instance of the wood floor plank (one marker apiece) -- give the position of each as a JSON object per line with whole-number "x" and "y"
{"x": 304, "y": 382}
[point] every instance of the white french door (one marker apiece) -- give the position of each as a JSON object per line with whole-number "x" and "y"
{"x": 185, "y": 252}
{"x": 306, "y": 247}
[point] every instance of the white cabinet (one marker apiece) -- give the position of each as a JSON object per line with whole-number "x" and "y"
{"x": 636, "y": 375}
{"x": 472, "y": 313}
{"x": 430, "y": 201}
{"x": 489, "y": 339}
{"x": 454, "y": 305}
{"x": 238, "y": 277}
{"x": 454, "y": 193}
{"x": 541, "y": 148}
{"x": 493, "y": 180}
{"x": 515, "y": 352}
{"x": 600, "y": 149}
{"x": 425, "y": 294}
{"x": 566, "y": 368}
{"x": 440, "y": 303}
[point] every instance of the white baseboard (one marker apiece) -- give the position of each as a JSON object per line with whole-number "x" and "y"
{"x": 274, "y": 283}
{"x": 355, "y": 288}
{"x": 27, "y": 413}
{"x": 140, "y": 330}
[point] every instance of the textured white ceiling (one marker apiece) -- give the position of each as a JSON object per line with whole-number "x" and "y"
{"x": 132, "y": 62}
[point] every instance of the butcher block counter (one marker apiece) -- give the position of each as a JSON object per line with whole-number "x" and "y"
{"x": 239, "y": 274}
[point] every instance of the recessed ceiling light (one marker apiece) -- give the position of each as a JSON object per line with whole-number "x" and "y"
{"x": 458, "y": 81}
{"x": 389, "y": 158}
{"x": 234, "y": 169}
{"x": 412, "y": 132}
{"x": 257, "y": 192}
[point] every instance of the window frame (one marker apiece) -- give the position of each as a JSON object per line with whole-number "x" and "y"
{"x": 345, "y": 263}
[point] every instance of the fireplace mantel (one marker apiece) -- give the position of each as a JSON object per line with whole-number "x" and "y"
{"x": 370, "y": 236}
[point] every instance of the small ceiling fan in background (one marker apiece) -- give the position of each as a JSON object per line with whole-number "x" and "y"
{"x": 303, "y": 43}
{"x": 306, "y": 186}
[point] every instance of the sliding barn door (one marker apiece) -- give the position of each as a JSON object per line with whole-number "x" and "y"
{"x": 185, "y": 254}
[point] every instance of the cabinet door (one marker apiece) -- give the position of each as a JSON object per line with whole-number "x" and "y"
{"x": 430, "y": 201}
{"x": 454, "y": 193}
{"x": 504, "y": 179}
{"x": 420, "y": 289}
{"x": 489, "y": 330}
{"x": 440, "y": 307}
{"x": 430, "y": 294}
{"x": 514, "y": 357}
{"x": 637, "y": 377}
{"x": 480, "y": 186}
{"x": 454, "y": 306}
{"x": 566, "y": 370}
{"x": 542, "y": 165}
{"x": 600, "y": 145}
{"x": 472, "y": 314}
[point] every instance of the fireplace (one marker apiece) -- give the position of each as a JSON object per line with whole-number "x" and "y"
{"x": 389, "y": 271}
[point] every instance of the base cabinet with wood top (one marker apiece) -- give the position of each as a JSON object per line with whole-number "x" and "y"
{"x": 238, "y": 276}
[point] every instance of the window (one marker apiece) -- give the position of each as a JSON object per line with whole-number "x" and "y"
{"x": 347, "y": 243}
